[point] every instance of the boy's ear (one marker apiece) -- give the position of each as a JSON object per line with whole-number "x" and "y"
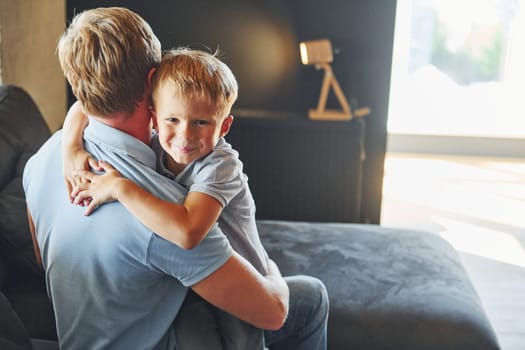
{"x": 226, "y": 124}
{"x": 154, "y": 121}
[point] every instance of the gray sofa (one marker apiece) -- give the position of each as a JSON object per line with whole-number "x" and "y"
{"x": 26, "y": 315}
{"x": 388, "y": 288}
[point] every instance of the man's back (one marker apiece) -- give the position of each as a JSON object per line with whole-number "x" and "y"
{"x": 112, "y": 282}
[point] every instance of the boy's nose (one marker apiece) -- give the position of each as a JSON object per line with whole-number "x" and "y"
{"x": 185, "y": 132}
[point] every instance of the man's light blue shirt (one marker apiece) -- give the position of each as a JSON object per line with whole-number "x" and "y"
{"x": 114, "y": 284}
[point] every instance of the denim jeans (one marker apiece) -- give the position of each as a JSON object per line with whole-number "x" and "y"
{"x": 200, "y": 325}
{"x": 305, "y": 326}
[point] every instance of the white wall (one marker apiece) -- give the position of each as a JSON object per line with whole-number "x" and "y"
{"x": 28, "y": 38}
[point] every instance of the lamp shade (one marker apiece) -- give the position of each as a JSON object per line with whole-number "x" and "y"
{"x": 316, "y": 51}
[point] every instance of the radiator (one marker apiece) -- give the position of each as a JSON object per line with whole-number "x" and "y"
{"x": 302, "y": 170}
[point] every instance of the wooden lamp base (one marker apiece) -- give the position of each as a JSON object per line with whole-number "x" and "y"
{"x": 321, "y": 113}
{"x": 329, "y": 114}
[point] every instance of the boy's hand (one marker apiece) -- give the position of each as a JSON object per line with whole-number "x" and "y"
{"x": 75, "y": 160}
{"x": 94, "y": 190}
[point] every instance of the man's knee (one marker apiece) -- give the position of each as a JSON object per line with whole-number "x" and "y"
{"x": 310, "y": 291}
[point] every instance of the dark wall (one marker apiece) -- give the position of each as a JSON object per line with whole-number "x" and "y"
{"x": 260, "y": 39}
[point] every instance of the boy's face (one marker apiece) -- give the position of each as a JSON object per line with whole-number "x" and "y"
{"x": 188, "y": 128}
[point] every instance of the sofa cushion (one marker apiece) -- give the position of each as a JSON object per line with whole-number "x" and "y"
{"x": 30, "y": 302}
{"x": 16, "y": 245}
{"x": 388, "y": 288}
{"x": 13, "y": 335}
{"x": 8, "y": 157}
{"x": 22, "y": 131}
{"x": 21, "y": 118}
{"x": 2, "y": 274}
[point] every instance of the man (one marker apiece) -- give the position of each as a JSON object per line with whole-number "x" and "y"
{"x": 113, "y": 283}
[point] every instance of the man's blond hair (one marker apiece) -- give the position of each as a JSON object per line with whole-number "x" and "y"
{"x": 106, "y": 54}
{"x": 195, "y": 74}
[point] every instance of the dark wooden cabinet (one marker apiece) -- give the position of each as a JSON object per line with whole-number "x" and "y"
{"x": 300, "y": 169}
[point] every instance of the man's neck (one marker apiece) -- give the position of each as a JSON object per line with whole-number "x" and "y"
{"x": 136, "y": 124}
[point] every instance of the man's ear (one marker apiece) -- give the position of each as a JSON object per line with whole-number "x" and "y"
{"x": 226, "y": 125}
{"x": 148, "y": 89}
{"x": 150, "y": 75}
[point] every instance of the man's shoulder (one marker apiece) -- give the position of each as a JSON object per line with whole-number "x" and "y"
{"x": 47, "y": 153}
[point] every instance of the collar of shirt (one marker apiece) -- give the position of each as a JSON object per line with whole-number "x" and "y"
{"x": 119, "y": 142}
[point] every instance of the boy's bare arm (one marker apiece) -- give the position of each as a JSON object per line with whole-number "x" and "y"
{"x": 74, "y": 125}
{"x": 74, "y": 156}
{"x": 239, "y": 289}
{"x": 185, "y": 225}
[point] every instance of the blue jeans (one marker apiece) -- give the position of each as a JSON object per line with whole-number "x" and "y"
{"x": 199, "y": 325}
{"x": 305, "y": 326}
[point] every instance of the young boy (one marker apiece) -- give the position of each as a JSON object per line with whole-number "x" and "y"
{"x": 193, "y": 92}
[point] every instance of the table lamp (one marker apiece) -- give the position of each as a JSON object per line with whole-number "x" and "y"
{"x": 319, "y": 53}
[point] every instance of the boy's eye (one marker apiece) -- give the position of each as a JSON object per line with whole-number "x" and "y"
{"x": 172, "y": 120}
{"x": 202, "y": 122}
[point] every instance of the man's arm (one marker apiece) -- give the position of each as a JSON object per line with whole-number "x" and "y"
{"x": 33, "y": 237}
{"x": 239, "y": 289}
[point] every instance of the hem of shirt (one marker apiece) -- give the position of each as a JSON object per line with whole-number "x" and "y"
{"x": 221, "y": 263}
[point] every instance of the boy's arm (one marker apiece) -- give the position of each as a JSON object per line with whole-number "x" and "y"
{"x": 74, "y": 156}
{"x": 240, "y": 290}
{"x": 185, "y": 225}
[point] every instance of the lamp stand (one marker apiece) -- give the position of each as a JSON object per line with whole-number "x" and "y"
{"x": 321, "y": 113}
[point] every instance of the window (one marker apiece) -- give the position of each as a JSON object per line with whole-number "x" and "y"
{"x": 459, "y": 68}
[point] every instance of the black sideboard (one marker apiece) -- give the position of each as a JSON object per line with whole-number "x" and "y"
{"x": 300, "y": 169}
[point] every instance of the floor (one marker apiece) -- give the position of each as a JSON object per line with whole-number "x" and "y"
{"x": 478, "y": 205}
